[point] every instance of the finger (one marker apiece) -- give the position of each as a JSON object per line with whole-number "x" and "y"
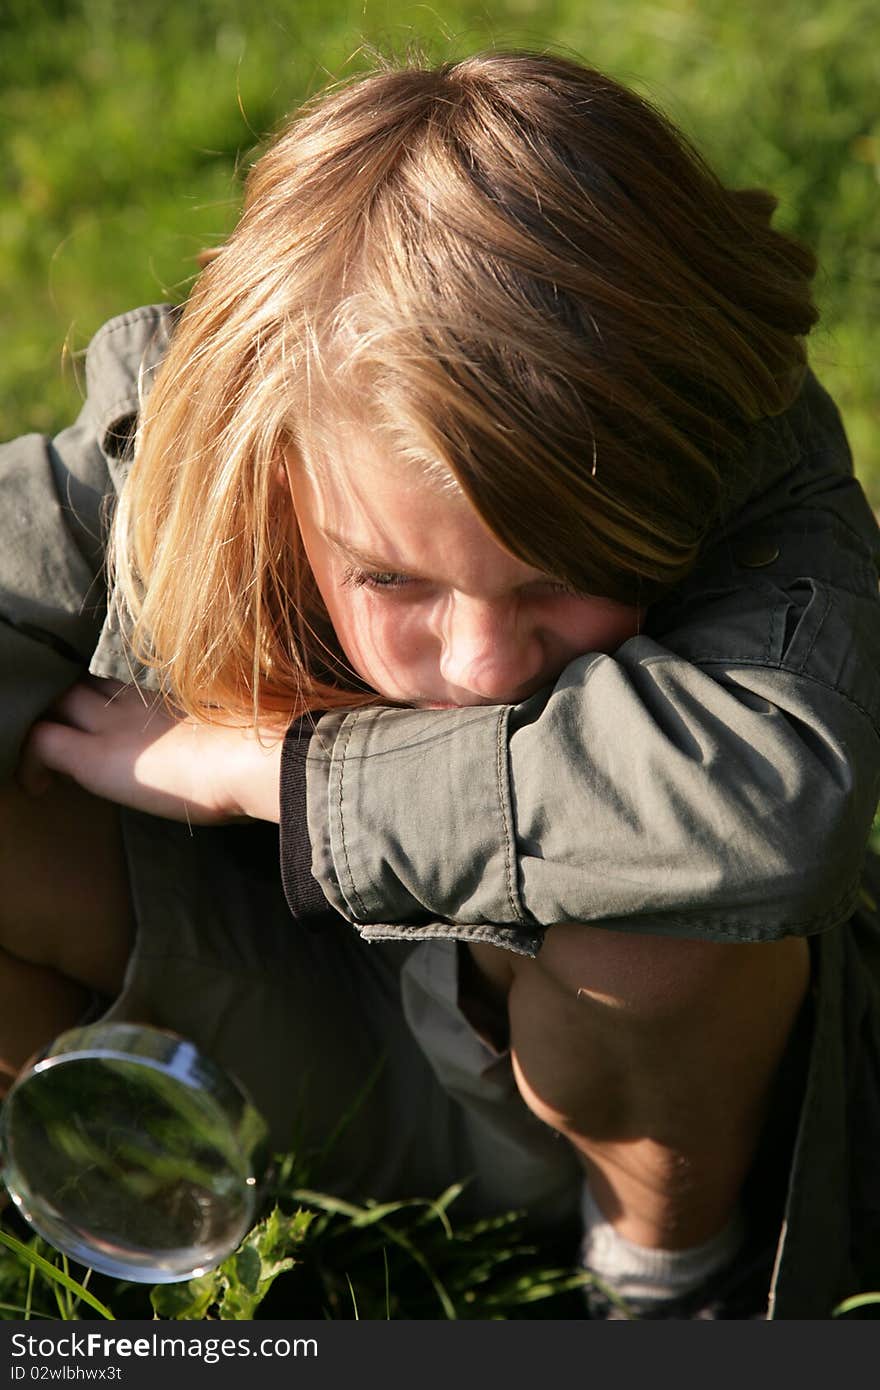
{"x": 52, "y": 747}
{"x": 97, "y": 706}
{"x": 82, "y": 707}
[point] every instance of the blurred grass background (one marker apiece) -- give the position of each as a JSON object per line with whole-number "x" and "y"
{"x": 124, "y": 125}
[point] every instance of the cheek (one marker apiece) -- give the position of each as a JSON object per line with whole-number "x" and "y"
{"x": 384, "y": 644}
{"x": 598, "y": 625}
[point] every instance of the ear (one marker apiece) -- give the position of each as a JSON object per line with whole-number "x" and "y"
{"x": 282, "y": 471}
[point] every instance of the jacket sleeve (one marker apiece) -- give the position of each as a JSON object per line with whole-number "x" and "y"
{"x": 55, "y": 496}
{"x": 716, "y": 777}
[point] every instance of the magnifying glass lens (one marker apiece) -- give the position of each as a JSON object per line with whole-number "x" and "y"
{"x": 131, "y": 1152}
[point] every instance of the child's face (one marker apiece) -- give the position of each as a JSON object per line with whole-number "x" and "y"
{"x": 427, "y": 606}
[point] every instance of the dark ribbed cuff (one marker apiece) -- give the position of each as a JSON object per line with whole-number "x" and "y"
{"x": 305, "y": 897}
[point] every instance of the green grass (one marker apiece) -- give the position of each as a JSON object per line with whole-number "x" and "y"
{"x": 124, "y": 127}
{"x": 315, "y": 1256}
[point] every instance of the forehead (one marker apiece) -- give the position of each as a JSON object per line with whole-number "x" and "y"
{"x": 357, "y": 486}
{"x": 357, "y": 493}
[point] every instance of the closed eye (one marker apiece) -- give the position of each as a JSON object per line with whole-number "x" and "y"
{"x": 354, "y": 578}
{"x": 558, "y": 586}
{"x": 357, "y": 578}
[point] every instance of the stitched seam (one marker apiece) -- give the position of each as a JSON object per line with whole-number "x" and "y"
{"x": 720, "y": 927}
{"x": 509, "y": 857}
{"x": 347, "y": 733}
{"x": 820, "y": 588}
{"x": 514, "y": 939}
{"x": 158, "y": 312}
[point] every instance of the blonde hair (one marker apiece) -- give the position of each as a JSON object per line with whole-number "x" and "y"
{"x": 530, "y": 281}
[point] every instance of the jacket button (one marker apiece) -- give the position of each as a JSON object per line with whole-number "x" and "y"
{"x": 755, "y": 553}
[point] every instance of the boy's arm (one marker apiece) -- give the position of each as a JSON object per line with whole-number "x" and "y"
{"x": 714, "y": 778}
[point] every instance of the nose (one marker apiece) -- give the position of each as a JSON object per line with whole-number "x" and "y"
{"x": 489, "y": 649}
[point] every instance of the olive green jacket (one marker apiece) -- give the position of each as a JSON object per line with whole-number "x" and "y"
{"x": 716, "y": 777}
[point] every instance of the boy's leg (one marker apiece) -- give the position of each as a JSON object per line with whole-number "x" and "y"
{"x": 36, "y": 1005}
{"x": 66, "y": 923}
{"x": 655, "y": 1057}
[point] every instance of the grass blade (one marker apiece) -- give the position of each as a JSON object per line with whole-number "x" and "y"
{"x": 859, "y": 1300}
{"x": 56, "y": 1276}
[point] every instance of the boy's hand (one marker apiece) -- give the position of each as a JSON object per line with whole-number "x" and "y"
{"x": 121, "y": 743}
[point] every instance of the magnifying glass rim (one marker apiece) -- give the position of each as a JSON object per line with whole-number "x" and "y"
{"x": 200, "y": 1069}
{"x": 199, "y": 1075}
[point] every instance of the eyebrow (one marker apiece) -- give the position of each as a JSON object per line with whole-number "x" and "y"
{"x": 375, "y": 562}
{"x": 362, "y": 556}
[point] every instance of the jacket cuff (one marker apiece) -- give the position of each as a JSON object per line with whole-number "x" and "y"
{"x": 302, "y": 890}
{"x": 409, "y": 813}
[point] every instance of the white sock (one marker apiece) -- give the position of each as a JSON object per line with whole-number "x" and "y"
{"x": 643, "y": 1274}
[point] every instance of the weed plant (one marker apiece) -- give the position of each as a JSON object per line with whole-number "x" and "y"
{"x": 315, "y": 1256}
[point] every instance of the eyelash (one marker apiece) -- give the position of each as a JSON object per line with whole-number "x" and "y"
{"x": 360, "y": 579}
{"x": 378, "y": 580}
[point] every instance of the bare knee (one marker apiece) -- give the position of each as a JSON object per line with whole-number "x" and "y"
{"x": 617, "y": 1036}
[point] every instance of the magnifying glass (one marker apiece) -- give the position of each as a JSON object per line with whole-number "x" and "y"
{"x": 132, "y": 1152}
